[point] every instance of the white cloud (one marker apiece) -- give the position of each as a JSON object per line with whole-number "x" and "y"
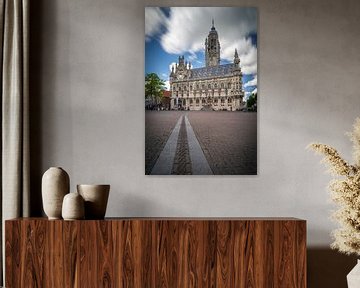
{"x": 248, "y": 93}
{"x": 192, "y": 57}
{"x": 167, "y": 84}
{"x": 172, "y": 64}
{"x": 248, "y": 61}
{"x": 247, "y": 54}
{"x": 187, "y": 28}
{"x": 252, "y": 82}
{"x": 154, "y": 19}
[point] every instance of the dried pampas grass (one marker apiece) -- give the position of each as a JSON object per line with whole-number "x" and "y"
{"x": 345, "y": 191}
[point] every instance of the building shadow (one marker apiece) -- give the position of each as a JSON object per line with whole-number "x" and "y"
{"x": 328, "y": 268}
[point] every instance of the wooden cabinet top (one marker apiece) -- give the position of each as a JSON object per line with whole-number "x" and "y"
{"x": 271, "y": 219}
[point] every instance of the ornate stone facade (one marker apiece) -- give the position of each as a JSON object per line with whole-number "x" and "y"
{"x": 214, "y": 87}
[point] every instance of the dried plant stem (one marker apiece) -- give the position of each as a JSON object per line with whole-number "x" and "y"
{"x": 345, "y": 192}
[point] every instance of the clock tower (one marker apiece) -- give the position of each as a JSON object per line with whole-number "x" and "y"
{"x": 212, "y": 48}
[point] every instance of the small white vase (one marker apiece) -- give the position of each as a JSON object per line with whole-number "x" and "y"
{"x": 73, "y": 207}
{"x": 55, "y": 185}
{"x": 96, "y": 198}
{"x": 353, "y": 278}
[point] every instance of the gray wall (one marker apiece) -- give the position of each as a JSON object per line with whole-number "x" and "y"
{"x": 87, "y": 108}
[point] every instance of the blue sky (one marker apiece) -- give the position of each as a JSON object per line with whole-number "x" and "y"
{"x": 171, "y": 32}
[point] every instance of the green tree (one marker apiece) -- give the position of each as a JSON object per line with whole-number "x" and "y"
{"x": 154, "y": 88}
{"x": 251, "y": 103}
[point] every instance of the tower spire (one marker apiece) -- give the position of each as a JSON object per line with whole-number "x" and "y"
{"x": 236, "y": 58}
{"x": 213, "y": 26}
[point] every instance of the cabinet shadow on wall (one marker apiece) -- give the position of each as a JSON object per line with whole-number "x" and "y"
{"x": 328, "y": 268}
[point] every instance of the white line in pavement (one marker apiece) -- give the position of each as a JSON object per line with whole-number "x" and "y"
{"x": 164, "y": 163}
{"x": 199, "y": 164}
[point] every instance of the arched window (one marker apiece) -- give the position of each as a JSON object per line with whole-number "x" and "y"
{"x": 222, "y": 85}
{"x": 209, "y": 86}
{"x": 229, "y": 85}
{"x": 215, "y": 85}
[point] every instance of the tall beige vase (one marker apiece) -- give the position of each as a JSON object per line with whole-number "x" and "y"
{"x": 55, "y": 185}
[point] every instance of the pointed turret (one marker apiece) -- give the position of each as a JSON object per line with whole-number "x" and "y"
{"x": 181, "y": 61}
{"x": 236, "y": 58}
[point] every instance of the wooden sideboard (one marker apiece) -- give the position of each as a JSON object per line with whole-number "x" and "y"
{"x": 156, "y": 252}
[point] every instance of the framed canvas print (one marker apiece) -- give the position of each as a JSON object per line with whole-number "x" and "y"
{"x": 200, "y": 91}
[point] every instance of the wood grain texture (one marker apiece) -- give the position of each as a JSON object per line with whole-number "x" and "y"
{"x": 158, "y": 252}
{"x": 55, "y": 264}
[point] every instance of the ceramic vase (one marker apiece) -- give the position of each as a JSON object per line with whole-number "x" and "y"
{"x": 353, "y": 278}
{"x": 55, "y": 185}
{"x": 73, "y": 207}
{"x": 96, "y": 198}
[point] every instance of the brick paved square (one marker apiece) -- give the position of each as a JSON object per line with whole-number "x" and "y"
{"x": 228, "y": 140}
{"x": 158, "y": 126}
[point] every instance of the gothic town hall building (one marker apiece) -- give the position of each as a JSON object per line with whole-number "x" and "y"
{"x": 214, "y": 87}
